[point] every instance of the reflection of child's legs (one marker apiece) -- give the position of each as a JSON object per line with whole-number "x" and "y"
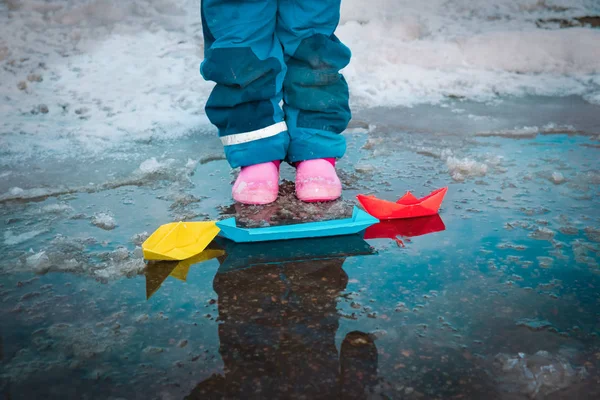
{"x": 277, "y": 330}
{"x": 315, "y": 93}
{"x": 244, "y": 57}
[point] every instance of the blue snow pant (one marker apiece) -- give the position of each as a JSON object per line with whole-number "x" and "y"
{"x": 260, "y": 52}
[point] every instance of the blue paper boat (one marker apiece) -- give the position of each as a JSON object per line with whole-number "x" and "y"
{"x": 360, "y": 220}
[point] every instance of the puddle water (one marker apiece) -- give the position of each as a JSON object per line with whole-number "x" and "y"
{"x": 497, "y": 296}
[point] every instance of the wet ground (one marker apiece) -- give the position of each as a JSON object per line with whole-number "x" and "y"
{"x": 496, "y": 297}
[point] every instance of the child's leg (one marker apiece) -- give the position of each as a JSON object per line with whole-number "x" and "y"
{"x": 315, "y": 93}
{"x": 244, "y": 57}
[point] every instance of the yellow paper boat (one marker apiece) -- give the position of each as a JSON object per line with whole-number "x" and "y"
{"x": 179, "y": 240}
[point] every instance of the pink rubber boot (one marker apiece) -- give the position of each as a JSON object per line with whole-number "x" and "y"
{"x": 257, "y": 184}
{"x": 316, "y": 180}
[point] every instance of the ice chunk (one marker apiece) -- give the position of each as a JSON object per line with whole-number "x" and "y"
{"x": 568, "y": 230}
{"x": 121, "y": 268}
{"x": 11, "y": 239}
{"x": 462, "y": 168}
{"x": 364, "y": 168}
{"x": 557, "y": 178}
{"x": 16, "y": 191}
{"x": 536, "y": 375}
{"x": 70, "y": 264}
{"x": 524, "y": 132}
{"x": 139, "y": 238}
{"x": 542, "y": 233}
{"x": 191, "y": 165}
{"x": 593, "y": 233}
{"x": 545, "y": 262}
{"x": 152, "y": 166}
{"x": 593, "y": 97}
{"x": 56, "y": 208}
{"x": 119, "y": 254}
{"x": 582, "y": 251}
{"x": 554, "y": 128}
{"x": 182, "y": 200}
{"x": 38, "y": 262}
{"x": 530, "y": 131}
{"x": 104, "y": 221}
{"x": 138, "y": 252}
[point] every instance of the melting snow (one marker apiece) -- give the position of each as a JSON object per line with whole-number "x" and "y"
{"x": 109, "y": 72}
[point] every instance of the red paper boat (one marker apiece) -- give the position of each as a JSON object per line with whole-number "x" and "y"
{"x": 407, "y": 207}
{"x": 405, "y": 228}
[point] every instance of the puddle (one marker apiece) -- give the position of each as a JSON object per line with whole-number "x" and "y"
{"x": 497, "y": 296}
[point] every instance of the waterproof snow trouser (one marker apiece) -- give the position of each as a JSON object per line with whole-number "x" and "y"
{"x": 260, "y": 52}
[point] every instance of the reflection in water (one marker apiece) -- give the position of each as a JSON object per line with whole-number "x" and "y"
{"x": 234, "y": 256}
{"x": 158, "y": 271}
{"x": 406, "y": 228}
{"x": 277, "y": 335}
{"x": 244, "y": 255}
{"x": 278, "y": 314}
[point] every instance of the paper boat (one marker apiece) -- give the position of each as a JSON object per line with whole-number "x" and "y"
{"x": 179, "y": 240}
{"x": 407, "y": 207}
{"x": 245, "y": 255}
{"x": 158, "y": 271}
{"x": 405, "y": 228}
{"x": 360, "y": 220}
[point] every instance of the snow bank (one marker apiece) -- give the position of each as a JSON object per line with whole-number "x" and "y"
{"x": 406, "y": 53}
{"x": 93, "y": 74}
{"x": 104, "y": 70}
